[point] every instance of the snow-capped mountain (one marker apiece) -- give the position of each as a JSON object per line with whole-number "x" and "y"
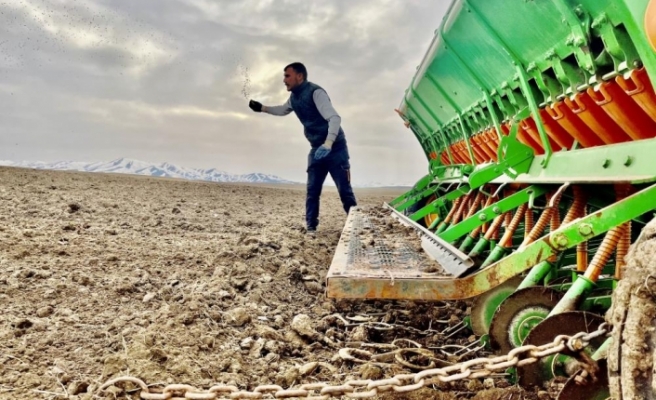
{"x": 136, "y": 167}
{"x": 120, "y": 165}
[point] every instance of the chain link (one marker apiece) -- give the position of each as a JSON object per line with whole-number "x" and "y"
{"x": 359, "y": 389}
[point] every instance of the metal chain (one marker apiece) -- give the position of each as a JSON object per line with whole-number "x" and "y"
{"x": 358, "y": 389}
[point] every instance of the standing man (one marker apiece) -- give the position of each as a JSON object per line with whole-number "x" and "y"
{"x": 321, "y": 123}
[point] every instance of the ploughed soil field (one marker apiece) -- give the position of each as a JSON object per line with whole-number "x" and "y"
{"x": 180, "y": 282}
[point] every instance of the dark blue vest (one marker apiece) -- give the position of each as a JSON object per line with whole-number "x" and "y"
{"x": 315, "y": 126}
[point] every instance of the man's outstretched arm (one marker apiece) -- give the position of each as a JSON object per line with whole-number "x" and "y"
{"x": 273, "y": 110}
{"x": 279, "y": 110}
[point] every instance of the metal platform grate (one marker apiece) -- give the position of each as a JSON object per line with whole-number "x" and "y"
{"x": 369, "y": 250}
{"x": 380, "y": 252}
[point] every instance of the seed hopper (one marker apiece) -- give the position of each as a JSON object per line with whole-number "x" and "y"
{"x": 538, "y": 121}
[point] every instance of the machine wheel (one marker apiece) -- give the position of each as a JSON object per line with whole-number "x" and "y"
{"x": 519, "y": 314}
{"x": 567, "y": 323}
{"x": 485, "y": 305}
{"x": 428, "y": 219}
{"x": 632, "y": 355}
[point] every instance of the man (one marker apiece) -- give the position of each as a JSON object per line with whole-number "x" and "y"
{"x": 329, "y": 152}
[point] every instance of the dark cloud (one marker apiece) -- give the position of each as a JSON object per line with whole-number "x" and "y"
{"x": 169, "y": 80}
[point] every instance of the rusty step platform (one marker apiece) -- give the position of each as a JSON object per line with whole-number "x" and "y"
{"x": 379, "y": 249}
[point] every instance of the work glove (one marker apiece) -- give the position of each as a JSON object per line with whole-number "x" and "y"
{"x": 323, "y": 150}
{"x": 255, "y": 105}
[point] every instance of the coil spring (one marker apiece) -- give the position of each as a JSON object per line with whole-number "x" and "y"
{"x": 454, "y": 208}
{"x": 622, "y": 249}
{"x": 604, "y": 252}
{"x": 483, "y": 228}
{"x": 555, "y": 220}
{"x": 506, "y": 239}
{"x": 545, "y": 218}
{"x": 528, "y": 222}
{"x": 493, "y": 231}
{"x": 582, "y": 250}
{"x": 463, "y": 206}
{"x": 507, "y": 219}
{"x": 475, "y": 204}
{"x": 623, "y": 191}
{"x": 578, "y": 206}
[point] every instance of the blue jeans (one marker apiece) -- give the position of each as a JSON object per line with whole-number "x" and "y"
{"x": 337, "y": 164}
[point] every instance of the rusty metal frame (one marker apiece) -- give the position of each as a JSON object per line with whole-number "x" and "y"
{"x": 345, "y": 285}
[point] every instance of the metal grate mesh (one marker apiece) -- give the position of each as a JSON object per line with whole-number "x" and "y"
{"x": 376, "y": 251}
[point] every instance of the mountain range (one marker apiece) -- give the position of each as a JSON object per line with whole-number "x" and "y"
{"x": 136, "y": 167}
{"x": 165, "y": 169}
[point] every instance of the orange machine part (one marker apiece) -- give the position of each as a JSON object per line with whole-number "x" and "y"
{"x": 650, "y": 23}
{"x": 456, "y": 150}
{"x": 624, "y": 111}
{"x": 555, "y": 131}
{"x": 444, "y": 157}
{"x": 531, "y": 128}
{"x": 478, "y": 149}
{"x": 523, "y": 137}
{"x": 571, "y": 123}
{"x": 596, "y": 119}
{"x": 493, "y": 142}
{"x": 447, "y": 160}
{"x": 479, "y": 155}
{"x": 487, "y": 145}
{"x": 615, "y": 112}
{"x": 482, "y": 146}
{"x": 455, "y": 160}
{"x": 640, "y": 89}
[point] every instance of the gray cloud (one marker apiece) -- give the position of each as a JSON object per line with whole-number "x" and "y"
{"x": 169, "y": 80}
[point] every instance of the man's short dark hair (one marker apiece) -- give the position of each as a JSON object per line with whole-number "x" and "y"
{"x": 299, "y": 68}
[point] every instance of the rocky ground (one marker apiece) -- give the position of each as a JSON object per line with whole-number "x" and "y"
{"x": 173, "y": 281}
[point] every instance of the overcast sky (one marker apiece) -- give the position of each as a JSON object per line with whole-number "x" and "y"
{"x": 169, "y": 80}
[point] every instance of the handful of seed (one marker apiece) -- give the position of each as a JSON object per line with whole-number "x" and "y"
{"x": 246, "y": 87}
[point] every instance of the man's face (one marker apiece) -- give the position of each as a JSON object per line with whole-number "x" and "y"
{"x": 292, "y": 78}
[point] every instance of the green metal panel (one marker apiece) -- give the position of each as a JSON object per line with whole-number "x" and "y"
{"x": 420, "y": 112}
{"x": 450, "y": 76}
{"x": 488, "y": 46}
{"x": 440, "y": 106}
{"x": 628, "y": 162}
{"x": 539, "y": 22}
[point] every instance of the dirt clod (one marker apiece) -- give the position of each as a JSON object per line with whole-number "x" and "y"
{"x": 371, "y": 371}
{"x": 302, "y": 324}
{"x": 44, "y": 312}
{"x": 237, "y": 316}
